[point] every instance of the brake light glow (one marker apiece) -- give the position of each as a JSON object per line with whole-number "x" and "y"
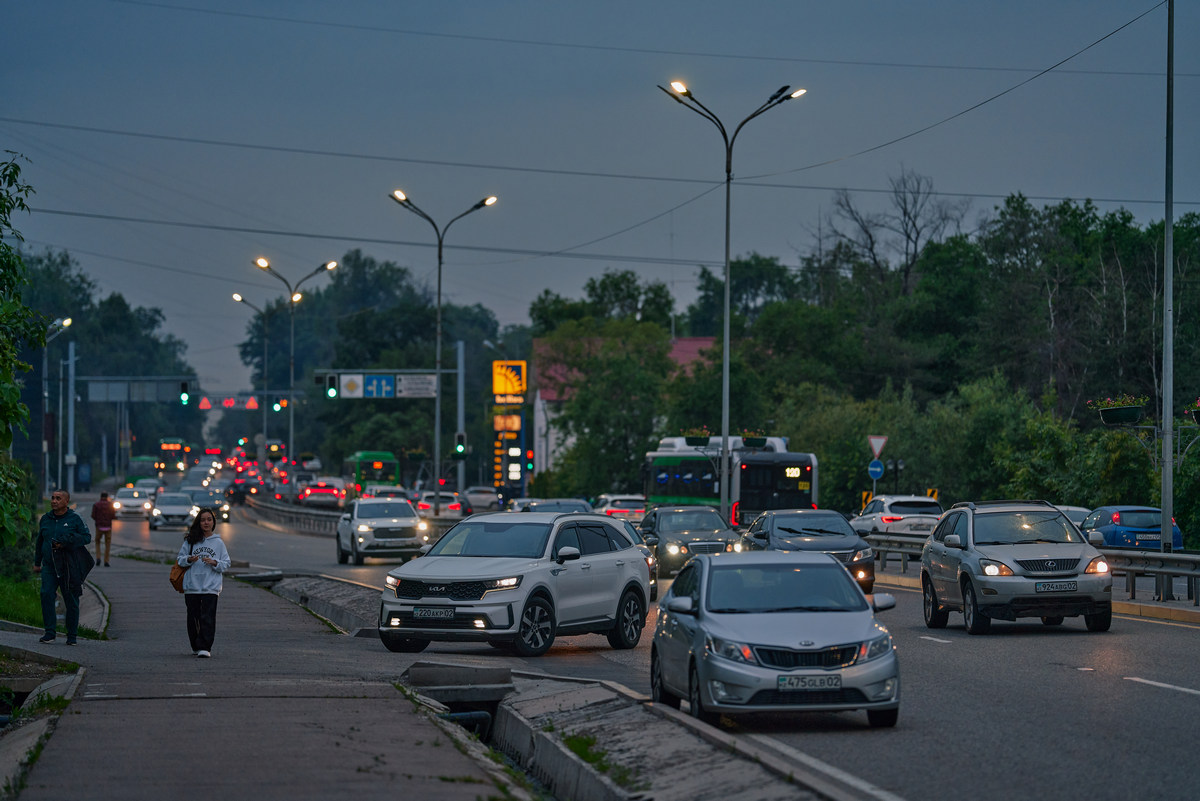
{"x": 733, "y": 512}
{"x": 891, "y": 518}
{"x": 1116, "y": 518}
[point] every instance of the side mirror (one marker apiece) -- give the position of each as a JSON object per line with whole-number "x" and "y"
{"x": 953, "y": 541}
{"x": 567, "y": 553}
{"x": 425, "y": 548}
{"x": 682, "y": 605}
{"x": 346, "y": 517}
{"x": 1096, "y": 538}
{"x": 650, "y": 539}
{"x": 761, "y": 534}
{"x": 882, "y": 600}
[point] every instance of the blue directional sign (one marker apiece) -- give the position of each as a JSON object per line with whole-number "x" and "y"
{"x": 379, "y": 386}
{"x": 875, "y": 469}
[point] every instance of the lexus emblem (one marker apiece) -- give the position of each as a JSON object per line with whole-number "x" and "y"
{"x": 806, "y": 643}
{"x": 1050, "y": 565}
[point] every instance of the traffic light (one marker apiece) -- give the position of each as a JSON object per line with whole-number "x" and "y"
{"x": 279, "y": 404}
{"x": 529, "y": 459}
{"x": 331, "y": 385}
{"x": 184, "y": 396}
{"x": 460, "y": 445}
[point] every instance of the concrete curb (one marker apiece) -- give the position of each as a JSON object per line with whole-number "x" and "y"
{"x": 17, "y": 746}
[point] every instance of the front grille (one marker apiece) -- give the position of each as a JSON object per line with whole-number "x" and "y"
{"x": 785, "y": 659}
{"x": 842, "y": 556}
{"x": 1066, "y": 565}
{"x": 395, "y": 534}
{"x": 846, "y": 695}
{"x": 459, "y": 622}
{"x": 706, "y": 547}
{"x": 454, "y": 590}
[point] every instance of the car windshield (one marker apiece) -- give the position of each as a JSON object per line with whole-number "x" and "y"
{"x": 389, "y": 509}
{"x": 202, "y": 497}
{"x": 696, "y": 520}
{"x": 557, "y": 506}
{"x": 914, "y": 508}
{"x": 173, "y": 499}
{"x": 128, "y": 493}
{"x": 494, "y": 538}
{"x": 818, "y": 525}
{"x": 1014, "y": 528}
{"x": 770, "y": 588}
{"x": 626, "y": 503}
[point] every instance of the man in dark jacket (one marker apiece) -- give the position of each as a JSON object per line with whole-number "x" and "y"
{"x": 103, "y": 514}
{"x": 62, "y": 557}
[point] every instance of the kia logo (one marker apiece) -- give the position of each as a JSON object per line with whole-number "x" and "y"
{"x": 436, "y": 588}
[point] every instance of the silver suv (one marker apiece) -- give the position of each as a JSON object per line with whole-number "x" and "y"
{"x": 1009, "y": 559}
{"x": 898, "y": 514}
{"x": 519, "y": 581}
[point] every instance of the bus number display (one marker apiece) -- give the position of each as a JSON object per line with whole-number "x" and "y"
{"x": 791, "y": 472}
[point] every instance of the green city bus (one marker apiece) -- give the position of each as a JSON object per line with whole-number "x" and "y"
{"x": 370, "y": 467}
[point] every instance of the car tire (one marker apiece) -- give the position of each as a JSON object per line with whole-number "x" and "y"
{"x": 868, "y": 588}
{"x": 659, "y": 693}
{"x": 354, "y": 554}
{"x": 696, "y": 703}
{"x": 935, "y": 615}
{"x": 535, "y": 633}
{"x": 883, "y": 718}
{"x": 342, "y": 556}
{"x": 1101, "y": 621}
{"x": 631, "y": 617}
{"x": 975, "y": 622}
{"x": 403, "y": 645}
{"x": 1052, "y": 620}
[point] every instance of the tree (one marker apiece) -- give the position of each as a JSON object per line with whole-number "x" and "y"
{"x": 19, "y": 325}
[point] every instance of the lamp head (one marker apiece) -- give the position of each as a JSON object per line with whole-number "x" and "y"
{"x": 262, "y": 263}
{"x": 681, "y": 88}
{"x": 331, "y": 265}
{"x": 237, "y": 297}
{"x": 491, "y": 201}
{"x": 65, "y": 322}
{"x": 399, "y": 196}
{"x": 296, "y": 297}
{"x": 797, "y": 93}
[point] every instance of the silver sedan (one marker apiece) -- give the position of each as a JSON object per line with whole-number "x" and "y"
{"x": 773, "y": 631}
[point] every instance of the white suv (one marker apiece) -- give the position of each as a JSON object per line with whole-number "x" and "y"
{"x": 898, "y": 514}
{"x": 519, "y": 581}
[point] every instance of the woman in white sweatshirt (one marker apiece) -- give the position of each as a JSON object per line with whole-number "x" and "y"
{"x": 206, "y": 559}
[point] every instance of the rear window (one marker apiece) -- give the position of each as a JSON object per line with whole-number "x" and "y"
{"x": 915, "y": 508}
{"x": 1142, "y": 518}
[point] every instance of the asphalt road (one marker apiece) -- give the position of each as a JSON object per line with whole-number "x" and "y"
{"x": 1027, "y": 711}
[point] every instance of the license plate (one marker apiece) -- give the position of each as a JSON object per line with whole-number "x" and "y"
{"x": 922, "y": 526}
{"x": 1154, "y": 537}
{"x": 433, "y": 613}
{"x": 1056, "y": 586}
{"x": 810, "y": 682}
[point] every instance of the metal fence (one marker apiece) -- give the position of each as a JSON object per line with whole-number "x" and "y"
{"x": 313, "y": 521}
{"x": 1123, "y": 561}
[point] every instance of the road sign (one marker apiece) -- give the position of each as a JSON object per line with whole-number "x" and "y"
{"x": 379, "y": 386}
{"x": 417, "y": 386}
{"x": 352, "y": 385}
{"x": 877, "y": 442}
{"x": 875, "y": 469}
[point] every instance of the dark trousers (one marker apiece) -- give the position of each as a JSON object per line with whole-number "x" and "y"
{"x": 201, "y": 619}
{"x": 52, "y": 583}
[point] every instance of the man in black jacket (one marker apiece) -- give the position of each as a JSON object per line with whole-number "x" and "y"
{"x": 62, "y": 557}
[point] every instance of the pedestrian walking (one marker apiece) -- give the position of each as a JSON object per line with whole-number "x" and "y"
{"x": 61, "y": 556}
{"x": 103, "y": 514}
{"x": 204, "y": 555}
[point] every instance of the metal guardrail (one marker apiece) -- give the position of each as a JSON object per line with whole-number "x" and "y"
{"x": 314, "y": 521}
{"x": 1125, "y": 561}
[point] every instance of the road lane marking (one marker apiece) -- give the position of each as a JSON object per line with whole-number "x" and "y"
{"x": 829, "y": 770}
{"x": 934, "y": 639}
{"x": 1164, "y": 686}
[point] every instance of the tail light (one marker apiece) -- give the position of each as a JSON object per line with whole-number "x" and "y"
{"x": 423, "y": 505}
{"x": 1116, "y": 518}
{"x": 891, "y": 518}
{"x": 455, "y": 507}
{"x": 733, "y": 512}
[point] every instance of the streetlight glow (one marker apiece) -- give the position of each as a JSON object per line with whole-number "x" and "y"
{"x": 238, "y": 297}
{"x": 399, "y": 196}
{"x": 263, "y": 263}
{"x": 331, "y": 265}
{"x": 296, "y": 297}
{"x": 797, "y": 93}
{"x": 489, "y": 202}
{"x": 679, "y": 87}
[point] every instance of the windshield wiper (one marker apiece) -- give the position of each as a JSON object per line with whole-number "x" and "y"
{"x": 809, "y": 530}
{"x": 731, "y": 611}
{"x": 805, "y": 609}
{"x": 1039, "y": 539}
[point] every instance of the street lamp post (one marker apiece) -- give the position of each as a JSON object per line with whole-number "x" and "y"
{"x": 237, "y": 297}
{"x": 404, "y": 201}
{"x": 682, "y": 95}
{"x": 294, "y": 297}
{"x": 55, "y": 328}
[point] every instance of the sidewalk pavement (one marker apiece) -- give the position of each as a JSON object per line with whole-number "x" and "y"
{"x": 286, "y": 708}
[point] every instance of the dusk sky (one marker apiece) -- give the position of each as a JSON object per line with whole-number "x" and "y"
{"x": 172, "y": 143}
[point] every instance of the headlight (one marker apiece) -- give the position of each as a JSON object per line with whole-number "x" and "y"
{"x": 728, "y": 649}
{"x": 195, "y": 510}
{"x": 738, "y": 547}
{"x": 512, "y": 582}
{"x": 991, "y": 567}
{"x": 364, "y": 527}
{"x": 422, "y": 526}
{"x": 157, "y": 512}
{"x": 224, "y": 507}
{"x": 673, "y": 549}
{"x": 861, "y": 554}
{"x": 1097, "y": 565}
{"x": 392, "y": 582}
{"x": 116, "y": 504}
{"x": 877, "y": 647}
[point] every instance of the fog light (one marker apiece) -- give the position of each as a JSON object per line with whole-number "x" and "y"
{"x": 884, "y": 690}
{"x": 395, "y": 621}
{"x": 862, "y": 574}
{"x": 479, "y": 624}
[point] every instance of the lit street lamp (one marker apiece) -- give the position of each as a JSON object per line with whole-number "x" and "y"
{"x": 237, "y": 297}
{"x": 54, "y": 329}
{"x": 294, "y": 297}
{"x": 682, "y": 95}
{"x": 403, "y": 200}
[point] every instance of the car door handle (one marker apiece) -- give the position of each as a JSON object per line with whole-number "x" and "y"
{"x": 585, "y": 566}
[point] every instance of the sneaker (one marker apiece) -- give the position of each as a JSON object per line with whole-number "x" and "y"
{"x": 47, "y": 638}
{"x": 72, "y": 642}
{"x": 203, "y": 654}
{"x": 106, "y": 564}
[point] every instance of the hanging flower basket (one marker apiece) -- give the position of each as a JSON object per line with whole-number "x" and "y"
{"x": 1195, "y": 415}
{"x": 1120, "y": 415}
{"x": 754, "y": 442}
{"x": 696, "y": 442}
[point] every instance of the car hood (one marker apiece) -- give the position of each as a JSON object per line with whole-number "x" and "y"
{"x": 174, "y": 508}
{"x": 460, "y": 568}
{"x": 1038, "y": 550}
{"x": 793, "y": 629}
{"x": 846, "y": 542}
{"x": 704, "y": 535}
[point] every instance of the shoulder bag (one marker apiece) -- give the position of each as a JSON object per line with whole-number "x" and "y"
{"x": 177, "y": 571}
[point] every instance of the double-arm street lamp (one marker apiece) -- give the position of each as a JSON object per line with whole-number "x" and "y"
{"x": 404, "y": 201}
{"x": 294, "y": 297}
{"x": 237, "y": 297}
{"x": 54, "y": 329}
{"x": 682, "y": 95}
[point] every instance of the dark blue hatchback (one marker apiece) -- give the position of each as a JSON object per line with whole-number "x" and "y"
{"x": 1130, "y": 527}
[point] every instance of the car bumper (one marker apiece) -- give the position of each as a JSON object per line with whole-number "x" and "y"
{"x": 736, "y": 688}
{"x": 370, "y": 545}
{"x": 489, "y": 619}
{"x": 1012, "y": 597}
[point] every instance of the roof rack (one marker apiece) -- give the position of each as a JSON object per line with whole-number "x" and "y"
{"x": 1010, "y": 502}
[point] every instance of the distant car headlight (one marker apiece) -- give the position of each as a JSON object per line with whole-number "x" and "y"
{"x": 673, "y": 549}
{"x": 422, "y": 525}
{"x": 156, "y": 512}
{"x": 728, "y": 649}
{"x": 876, "y": 647}
{"x": 195, "y": 510}
{"x": 863, "y": 553}
{"x": 224, "y": 507}
{"x": 1097, "y": 565}
{"x": 991, "y": 567}
{"x": 365, "y": 527}
{"x": 738, "y": 547}
{"x": 116, "y": 504}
